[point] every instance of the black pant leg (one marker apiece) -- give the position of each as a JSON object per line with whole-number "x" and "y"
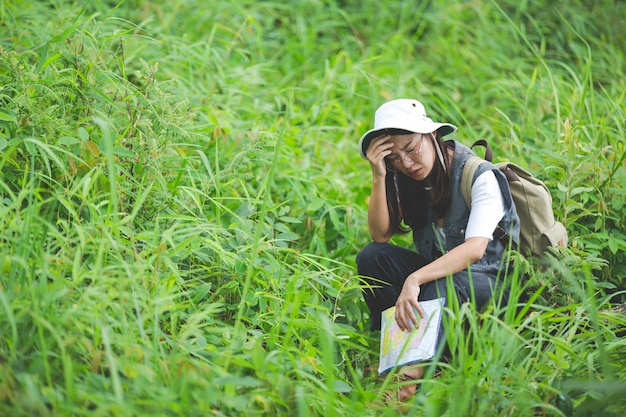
{"x": 385, "y": 267}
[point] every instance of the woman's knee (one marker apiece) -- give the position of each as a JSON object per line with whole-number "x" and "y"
{"x": 368, "y": 256}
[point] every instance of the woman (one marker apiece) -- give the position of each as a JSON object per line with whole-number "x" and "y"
{"x": 416, "y": 187}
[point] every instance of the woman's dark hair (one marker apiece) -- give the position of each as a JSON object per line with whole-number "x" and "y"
{"x": 408, "y": 200}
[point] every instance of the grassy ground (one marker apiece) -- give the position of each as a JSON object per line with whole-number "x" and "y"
{"x": 182, "y": 202}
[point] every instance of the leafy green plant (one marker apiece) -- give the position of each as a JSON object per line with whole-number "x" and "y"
{"x": 181, "y": 203}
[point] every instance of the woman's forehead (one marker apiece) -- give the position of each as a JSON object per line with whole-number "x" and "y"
{"x": 401, "y": 140}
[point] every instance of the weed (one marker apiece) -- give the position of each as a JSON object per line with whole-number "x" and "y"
{"x": 181, "y": 202}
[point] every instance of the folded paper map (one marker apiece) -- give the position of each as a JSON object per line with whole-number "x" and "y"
{"x": 400, "y": 347}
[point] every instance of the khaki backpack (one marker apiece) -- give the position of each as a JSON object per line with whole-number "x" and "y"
{"x": 533, "y": 204}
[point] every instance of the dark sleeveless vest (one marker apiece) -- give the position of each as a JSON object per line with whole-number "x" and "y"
{"x": 427, "y": 238}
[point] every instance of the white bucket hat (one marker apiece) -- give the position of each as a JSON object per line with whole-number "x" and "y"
{"x": 404, "y": 114}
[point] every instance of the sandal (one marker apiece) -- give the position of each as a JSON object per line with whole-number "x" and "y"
{"x": 398, "y": 396}
{"x": 406, "y": 388}
{"x": 408, "y": 382}
{"x": 405, "y": 384}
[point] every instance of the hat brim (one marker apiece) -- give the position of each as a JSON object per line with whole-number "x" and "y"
{"x": 442, "y": 128}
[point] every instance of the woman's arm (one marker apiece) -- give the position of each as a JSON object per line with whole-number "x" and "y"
{"x": 377, "y": 211}
{"x": 456, "y": 260}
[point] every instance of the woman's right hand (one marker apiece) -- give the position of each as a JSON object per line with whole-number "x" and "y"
{"x": 379, "y": 148}
{"x": 407, "y": 304}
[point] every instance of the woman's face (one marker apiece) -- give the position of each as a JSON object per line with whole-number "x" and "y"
{"x": 413, "y": 155}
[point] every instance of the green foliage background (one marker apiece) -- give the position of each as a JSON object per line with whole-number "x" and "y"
{"x": 182, "y": 201}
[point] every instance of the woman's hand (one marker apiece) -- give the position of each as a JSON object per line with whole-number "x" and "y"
{"x": 407, "y": 301}
{"x": 379, "y": 148}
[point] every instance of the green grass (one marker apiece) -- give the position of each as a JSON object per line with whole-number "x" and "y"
{"x": 182, "y": 202}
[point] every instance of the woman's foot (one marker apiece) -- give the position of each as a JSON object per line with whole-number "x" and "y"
{"x": 404, "y": 388}
{"x": 408, "y": 387}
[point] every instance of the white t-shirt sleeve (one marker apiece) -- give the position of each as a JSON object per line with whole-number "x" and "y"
{"x": 487, "y": 206}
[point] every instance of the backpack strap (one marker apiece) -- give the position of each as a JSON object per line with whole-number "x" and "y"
{"x": 488, "y": 151}
{"x": 467, "y": 178}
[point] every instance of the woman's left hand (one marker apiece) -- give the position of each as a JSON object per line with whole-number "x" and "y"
{"x": 407, "y": 304}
